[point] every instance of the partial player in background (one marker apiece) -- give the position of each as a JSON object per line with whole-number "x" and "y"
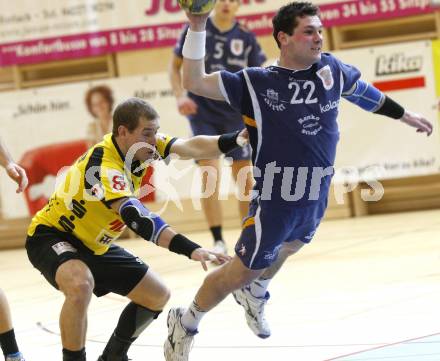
{"x": 229, "y": 46}
{"x": 8, "y": 342}
{"x": 99, "y": 102}
{"x": 292, "y": 108}
{"x": 71, "y": 240}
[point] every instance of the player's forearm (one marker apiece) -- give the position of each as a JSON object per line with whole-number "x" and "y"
{"x": 175, "y": 77}
{"x": 165, "y": 237}
{"x": 140, "y": 219}
{"x": 373, "y": 100}
{"x": 198, "y": 147}
{"x": 198, "y": 82}
{"x": 5, "y": 157}
{"x": 195, "y": 78}
{"x": 193, "y": 75}
{"x": 391, "y": 109}
{"x": 204, "y": 147}
{"x": 151, "y": 227}
{"x": 177, "y": 243}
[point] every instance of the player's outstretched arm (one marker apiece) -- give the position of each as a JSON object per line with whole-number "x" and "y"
{"x": 179, "y": 244}
{"x": 185, "y": 105}
{"x": 194, "y": 76}
{"x": 15, "y": 172}
{"x": 417, "y": 121}
{"x": 373, "y": 100}
{"x": 209, "y": 147}
{"x": 152, "y": 228}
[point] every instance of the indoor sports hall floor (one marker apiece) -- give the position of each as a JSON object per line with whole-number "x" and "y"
{"x": 365, "y": 289}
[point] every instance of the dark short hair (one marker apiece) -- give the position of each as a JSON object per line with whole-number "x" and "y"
{"x": 130, "y": 111}
{"x": 105, "y": 91}
{"x": 286, "y": 19}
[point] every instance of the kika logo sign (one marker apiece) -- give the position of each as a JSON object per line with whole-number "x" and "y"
{"x": 398, "y": 63}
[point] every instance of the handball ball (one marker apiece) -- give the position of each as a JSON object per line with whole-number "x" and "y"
{"x": 197, "y": 7}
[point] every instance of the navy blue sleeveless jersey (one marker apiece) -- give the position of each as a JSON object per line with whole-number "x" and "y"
{"x": 232, "y": 50}
{"x": 292, "y": 121}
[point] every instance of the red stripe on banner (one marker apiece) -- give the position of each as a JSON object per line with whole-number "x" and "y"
{"x": 409, "y": 83}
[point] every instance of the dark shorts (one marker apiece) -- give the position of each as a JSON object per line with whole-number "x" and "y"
{"x": 117, "y": 270}
{"x": 201, "y": 127}
{"x": 266, "y": 228}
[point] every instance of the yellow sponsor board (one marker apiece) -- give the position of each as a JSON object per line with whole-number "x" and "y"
{"x": 436, "y": 55}
{"x": 436, "y": 62}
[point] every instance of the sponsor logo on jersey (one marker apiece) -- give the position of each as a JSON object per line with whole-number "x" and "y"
{"x": 329, "y": 106}
{"x": 310, "y": 125}
{"x": 325, "y": 74}
{"x": 398, "y": 63}
{"x": 271, "y": 98}
{"x": 242, "y": 250}
{"x": 272, "y": 255}
{"x": 62, "y": 247}
{"x": 98, "y": 191}
{"x": 105, "y": 239}
{"x": 237, "y": 47}
{"x": 117, "y": 181}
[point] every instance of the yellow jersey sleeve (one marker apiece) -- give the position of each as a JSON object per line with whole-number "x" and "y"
{"x": 163, "y": 144}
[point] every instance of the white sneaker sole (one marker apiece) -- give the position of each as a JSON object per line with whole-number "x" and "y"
{"x": 260, "y": 335}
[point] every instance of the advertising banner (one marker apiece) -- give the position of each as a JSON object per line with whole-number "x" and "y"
{"x": 37, "y": 31}
{"x": 436, "y": 56}
{"x": 48, "y": 128}
{"x": 378, "y": 147}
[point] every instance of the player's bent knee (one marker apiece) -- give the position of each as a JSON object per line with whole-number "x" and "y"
{"x": 229, "y": 281}
{"x": 75, "y": 281}
{"x": 162, "y": 298}
{"x": 288, "y": 251}
{"x": 242, "y": 280}
{"x": 72, "y": 269}
{"x": 155, "y": 301}
{"x": 78, "y": 289}
{"x": 291, "y": 248}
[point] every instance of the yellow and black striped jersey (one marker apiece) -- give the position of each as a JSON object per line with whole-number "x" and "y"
{"x": 81, "y": 203}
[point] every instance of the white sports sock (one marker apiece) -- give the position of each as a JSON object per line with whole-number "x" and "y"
{"x": 192, "y": 317}
{"x": 259, "y": 287}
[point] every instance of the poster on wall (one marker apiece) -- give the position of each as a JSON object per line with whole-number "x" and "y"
{"x": 44, "y": 30}
{"x": 373, "y": 146}
{"x": 48, "y": 128}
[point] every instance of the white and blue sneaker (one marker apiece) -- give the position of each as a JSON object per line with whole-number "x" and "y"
{"x": 254, "y": 310}
{"x": 179, "y": 341}
{"x": 15, "y": 357}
